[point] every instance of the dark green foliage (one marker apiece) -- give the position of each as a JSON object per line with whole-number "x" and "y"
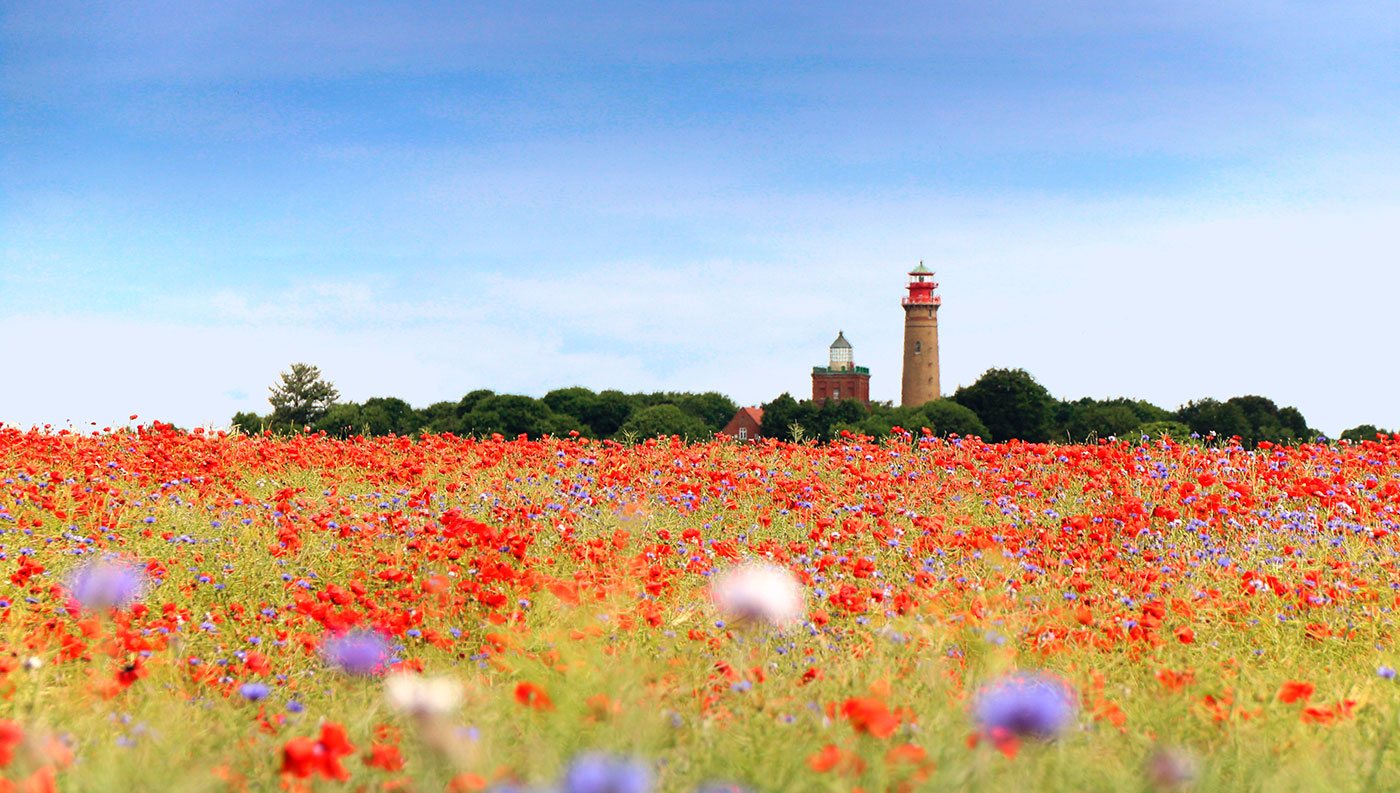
{"x": 1011, "y": 404}
{"x": 1210, "y": 415}
{"x": 301, "y": 398}
{"x": 574, "y": 403}
{"x": 941, "y": 416}
{"x": 1363, "y": 432}
{"x": 784, "y": 415}
{"x": 511, "y": 415}
{"x": 1154, "y": 430}
{"x": 1252, "y": 418}
{"x": 665, "y": 420}
{"x": 607, "y": 414}
{"x": 468, "y": 402}
{"x": 713, "y": 408}
{"x": 388, "y": 415}
{"x": 438, "y": 417}
{"x": 944, "y": 417}
{"x": 248, "y": 422}
{"x": 1088, "y": 419}
{"x": 343, "y": 420}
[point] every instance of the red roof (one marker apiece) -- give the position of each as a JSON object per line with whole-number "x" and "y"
{"x": 754, "y": 413}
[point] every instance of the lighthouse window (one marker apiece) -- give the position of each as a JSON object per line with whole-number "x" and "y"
{"x": 918, "y": 347}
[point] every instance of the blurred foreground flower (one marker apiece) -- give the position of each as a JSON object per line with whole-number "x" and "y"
{"x": 600, "y": 773}
{"x": 422, "y": 697}
{"x": 358, "y": 652}
{"x": 107, "y": 584}
{"x": 1024, "y": 706}
{"x": 1171, "y": 768}
{"x": 302, "y": 757}
{"x": 253, "y": 692}
{"x": 759, "y": 592}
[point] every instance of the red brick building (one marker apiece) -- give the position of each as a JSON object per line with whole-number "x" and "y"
{"x": 841, "y": 379}
{"x": 746, "y": 424}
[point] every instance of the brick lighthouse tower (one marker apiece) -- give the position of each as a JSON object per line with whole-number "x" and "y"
{"x": 920, "y": 382}
{"x": 842, "y": 379}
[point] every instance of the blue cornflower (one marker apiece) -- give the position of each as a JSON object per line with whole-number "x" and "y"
{"x": 1033, "y": 706}
{"x": 106, "y": 584}
{"x": 253, "y": 692}
{"x": 1386, "y": 672}
{"x": 357, "y": 652}
{"x": 600, "y": 773}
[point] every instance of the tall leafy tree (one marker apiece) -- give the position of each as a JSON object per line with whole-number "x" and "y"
{"x": 572, "y": 404}
{"x": 780, "y": 415}
{"x": 438, "y": 417}
{"x": 302, "y": 396}
{"x": 666, "y": 420}
{"x": 607, "y": 414}
{"x": 944, "y": 416}
{"x": 512, "y": 415}
{"x": 1205, "y": 416}
{"x": 1011, "y": 403}
{"x": 343, "y": 419}
{"x": 711, "y": 407}
{"x": 1363, "y": 432}
{"x": 384, "y": 415}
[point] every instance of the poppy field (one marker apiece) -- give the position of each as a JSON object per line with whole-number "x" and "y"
{"x": 204, "y": 611}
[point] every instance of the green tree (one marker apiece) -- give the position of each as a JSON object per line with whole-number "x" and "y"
{"x": 511, "y": 415}
{"x": 711, "y": 407}
{"x": 302, "y": 396}
{"x": 1210, "y": 415}
{"x": 783, "y": 414}
{"x": 437, "y": 417}
{"x": 1154, "y": 430}
{"x": 1252, "y": 418}
{"x": 944, "y": 416}
{"x": 1089, "y": 418}
{"x": 607, "y": 415}
{"x": 572, "y": 404}
{"x": 1011, "y": 404}
{"x": 1363, "y": 432}
{"x": 343, "y": 419}
{"x": 385, "y": 415}
{"x": 468, "y": 403}
{"x": 835, "y": 414}
{"x": 248, "y": 422}
{"x": 665, "y": 420}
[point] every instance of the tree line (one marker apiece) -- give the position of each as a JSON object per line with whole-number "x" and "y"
{"x": 1002, "y": 404}
{"x": 1009, "y": 403}
{"x": 304, "y": 399}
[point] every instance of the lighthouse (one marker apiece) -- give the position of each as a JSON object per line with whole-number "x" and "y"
{"x": 920, "y": 381}
{"x": 840, "y": 378}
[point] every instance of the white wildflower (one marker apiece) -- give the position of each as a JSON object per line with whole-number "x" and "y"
{"x": 423, "y": 697}
{"x": 758, "y": 592}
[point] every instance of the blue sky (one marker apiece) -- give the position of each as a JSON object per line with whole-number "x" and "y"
{"x": 1159, "y": 200}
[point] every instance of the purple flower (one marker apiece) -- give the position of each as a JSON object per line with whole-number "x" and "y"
{"x": 357, "y": 652}
{"x": 600, "y": 773}
{"x": 107, "y": 584}
{"x": 1034, "y": 706}
{"x": 253, "y": 692}
{"x": 1386, "y": 672}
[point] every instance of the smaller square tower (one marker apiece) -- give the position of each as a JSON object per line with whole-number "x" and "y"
{"x": 841, "y": 378}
